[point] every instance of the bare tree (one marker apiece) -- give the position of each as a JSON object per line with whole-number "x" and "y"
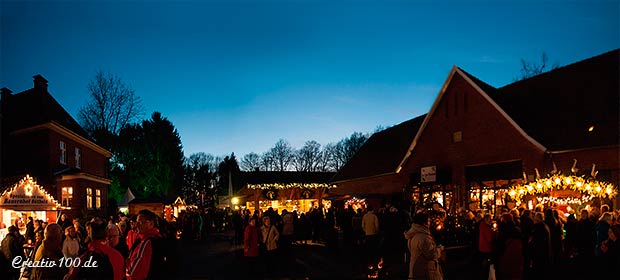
{"x": 308, "y": 157}
{"x": 326, "y": 159}
{"x": 345, "y": 149}
{"x": 531, "y": 69}
{"x": 112, "y": 105}
{"x": 251, "y": 162}
{"x": 282, "y": 154}
{"x": 267, "y": 161}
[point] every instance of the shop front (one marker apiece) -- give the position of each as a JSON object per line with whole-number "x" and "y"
{"x": 26, "y": 199}
{"x": 433, "y": 186}
{"x": 292, "y": 197}
{"x": 489, "y": 185}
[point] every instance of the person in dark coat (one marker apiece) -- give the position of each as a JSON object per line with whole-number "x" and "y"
{"x": 30, "y": 229}
{"x": 12, "y": 249}
{"x": 539, "y": 248}
{"x": 509, "y": 263}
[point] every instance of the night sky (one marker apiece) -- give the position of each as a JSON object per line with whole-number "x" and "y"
{"x": 236, "y": 76}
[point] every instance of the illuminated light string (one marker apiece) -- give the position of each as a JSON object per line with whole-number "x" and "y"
{"x": 29, "y": 184}
{"x": 290, "y": 186}
{"x": 588, "y": 188}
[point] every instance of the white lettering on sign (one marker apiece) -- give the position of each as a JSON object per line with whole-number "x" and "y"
{"x": 429, "y": 174}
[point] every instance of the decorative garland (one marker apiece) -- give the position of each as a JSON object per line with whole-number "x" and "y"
{"x": 290, "y": 186}
{"x": 587, "y": 187}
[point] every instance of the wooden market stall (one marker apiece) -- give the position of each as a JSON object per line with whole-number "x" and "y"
{"x": 26, "y": 199}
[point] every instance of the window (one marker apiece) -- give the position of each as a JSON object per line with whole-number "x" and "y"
{"x": 67, "y": 196}
{"x": 78, "y": 158}
{"x": 98, "y": 198}
{"x": 63, "y": 152}
{"x": 456, "y": 104}
{"x": 89, "y": 198}
{"x": 457, "y": 137}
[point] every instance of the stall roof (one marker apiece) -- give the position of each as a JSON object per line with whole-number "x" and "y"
{"x": 27, "y": 195}
{"x": 382, "y": 152}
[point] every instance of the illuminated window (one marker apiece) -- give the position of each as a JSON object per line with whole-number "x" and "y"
{"x": 67, "y": 196}
{"x": 63, "y": 152}
{"x": 98, "y": 198}
{"x": 89, "y": 198}
{"x": 78, "y": 158}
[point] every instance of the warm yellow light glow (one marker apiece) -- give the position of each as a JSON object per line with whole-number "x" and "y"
{"x": 591, "y": 128}
{"x": 235, "y": 200}
{"x": 588, "y": 187}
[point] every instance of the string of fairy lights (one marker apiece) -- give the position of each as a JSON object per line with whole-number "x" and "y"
{"x": 28, "y": 184}
{"x": 586, "y": 188}
{"x": 290, "y": 186}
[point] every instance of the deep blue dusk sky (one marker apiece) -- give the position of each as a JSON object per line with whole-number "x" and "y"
{"x": 238, "y": 76}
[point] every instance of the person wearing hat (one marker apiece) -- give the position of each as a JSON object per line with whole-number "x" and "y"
{"x": 12, "y": 247}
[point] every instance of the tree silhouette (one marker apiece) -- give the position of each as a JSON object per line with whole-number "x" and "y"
{"x": 251, "y": 162}
{"x": 113, "y": 104}
{"x": 282, "y": 154}
{"x": 308, "y": 158}
{"x": 531, "y": 69}
{"x": 150, "y": 157}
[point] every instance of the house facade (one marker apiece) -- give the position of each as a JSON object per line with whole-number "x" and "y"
{"x": 477, "y": 141}
{"x": 40, "y": 139}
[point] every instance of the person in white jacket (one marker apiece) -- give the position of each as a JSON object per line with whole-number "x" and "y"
{"x": 425, "y": 254}
{"x": 71, "y": 245}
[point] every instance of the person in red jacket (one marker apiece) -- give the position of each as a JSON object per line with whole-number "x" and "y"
{"x": 486, "y": 240}
{"x": 110, "y": 263}
{"x": 250, "y": 246}
{"x": 141, "y": 254}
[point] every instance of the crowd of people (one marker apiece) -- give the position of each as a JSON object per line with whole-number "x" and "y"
{"x": 512, "y": 244}
{"x": 94, "y": 248}
{"x": 536, "y": 244}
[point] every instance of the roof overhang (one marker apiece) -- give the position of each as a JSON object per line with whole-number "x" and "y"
{"x": 84, "y": 176}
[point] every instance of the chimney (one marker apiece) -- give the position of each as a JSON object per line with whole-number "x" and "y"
{"x": 40, "y": 82}
{"x": 4, "y": 93}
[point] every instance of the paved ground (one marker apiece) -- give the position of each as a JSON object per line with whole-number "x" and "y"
{"x": 219, "y": 258}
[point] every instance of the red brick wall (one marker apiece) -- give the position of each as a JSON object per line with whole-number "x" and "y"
{"x": 92, "y": 162}
{"x": 487, "y": 136}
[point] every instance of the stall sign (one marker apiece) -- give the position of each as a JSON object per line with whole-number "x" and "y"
{"x": 270, "y": 194}
{"x": 306, "y": 194}
{"x": 27, "y": 194}
{"x": 429, "y": 174}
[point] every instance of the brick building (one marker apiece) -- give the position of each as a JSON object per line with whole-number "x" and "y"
{"x": 477, "y": 140}
{"x": 40, "y": 139}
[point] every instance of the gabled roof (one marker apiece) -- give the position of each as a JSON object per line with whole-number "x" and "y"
{"x": 284, "y": 177}
{"x": 35, "y": 107}
{"x": 557, "y": 108}
{"x": 553, "y": 111}
{"x": 382, "y": 152}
